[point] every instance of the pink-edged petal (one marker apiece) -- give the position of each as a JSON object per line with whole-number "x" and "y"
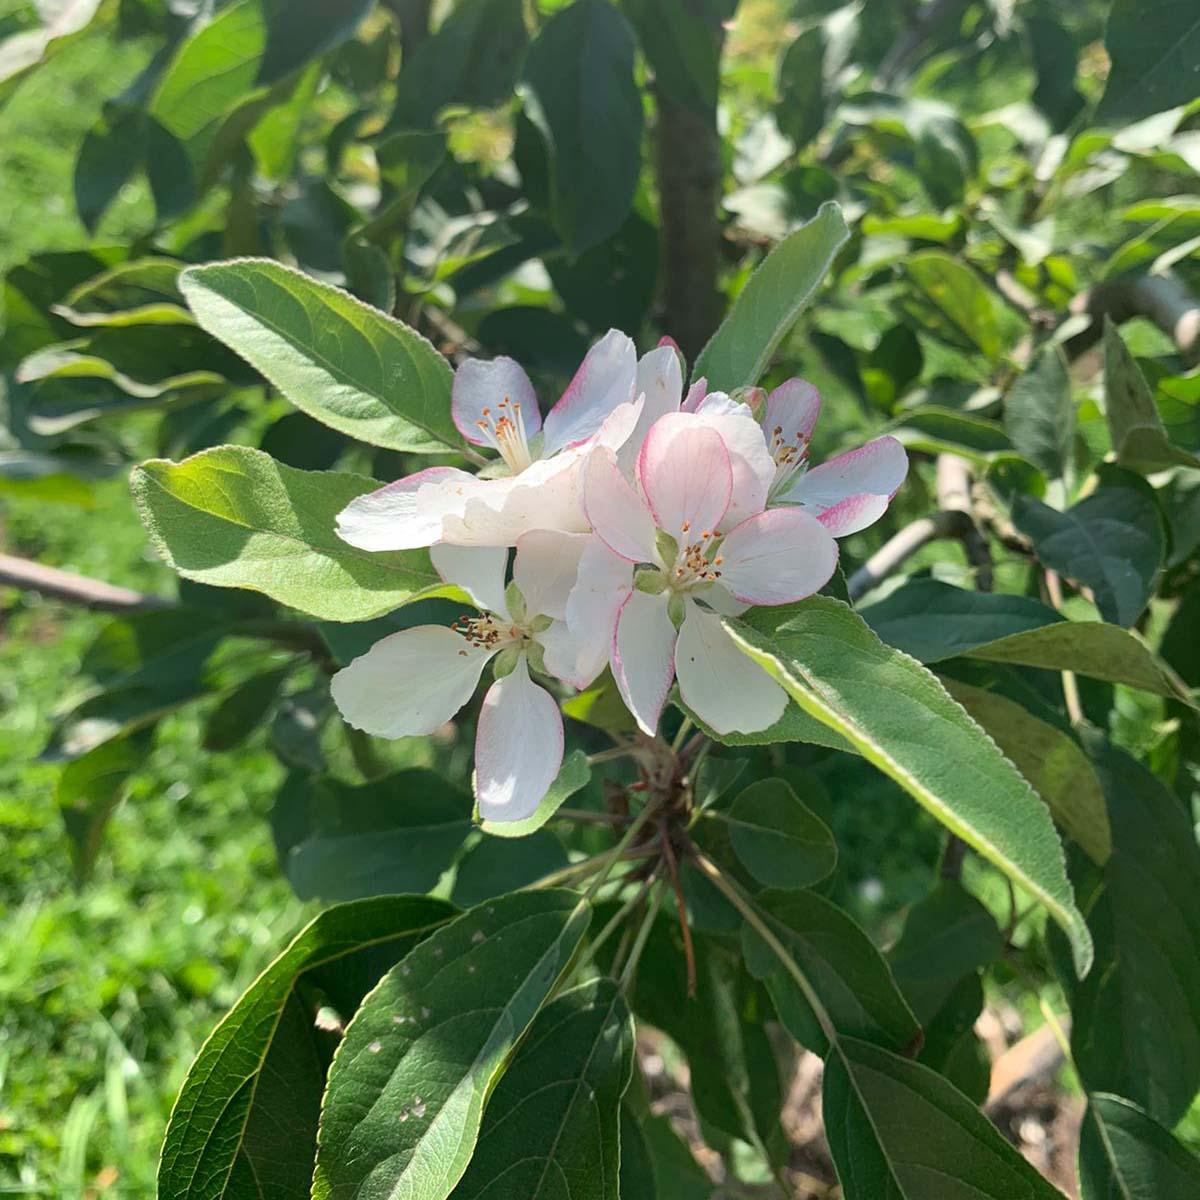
{"x": 750, "y": 461}
{"x": 481, "y": 387}
{"x": 404, "y": 515}
{"x": 518, "y": 747}
{"x": 853, "y": 514}
{"x": 545, "y": 568}
{"x": 615, "y": 511}
{"x": 685, "y": 475}
{"x": 548, "y": 494}
{"x": 695, "y": 395}
{"x": 619, "y": 427}
{"x": 575, "y": 657}
{"x": 478, "y": 570}
{"x": 603, "y": 581}
{"x": 879, "y": 467}
{"x": 605, "y": 379}
{"x": 660, "y": 388}
{"x": 643, "y": 657}
{"x": 410, "y": 683}
{"x": 792, "y": 412}
{"x": 778, "y": 556}
{"x": 719, "y": 683}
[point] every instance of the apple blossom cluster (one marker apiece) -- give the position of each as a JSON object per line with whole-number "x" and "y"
{"x": 637, "y": 515}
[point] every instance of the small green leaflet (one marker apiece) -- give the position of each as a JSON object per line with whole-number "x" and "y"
{"x": 1124, "y": 1154}
{"x": 339, "y": 360}
{"x": 552, "y": 1126}
{"x": 572, "y": 776}
{"x": 902, "y": 720}
{"x": 416, "y": 1066}
{"x": 1039, "y": 416}
{"x": 247, "y": 1115}
{"x": 884, "y": 1151}
{"x": 233, "y": 517}
{"x": 773, "y": 297}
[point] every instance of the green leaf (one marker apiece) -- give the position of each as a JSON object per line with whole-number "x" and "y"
{"x": 947, "y": 936}
{"x": 494, "y": 866}
{"x": 851, "y": 978}
{"x": 1039, "y": 416}
{"x": 1124, "y": 1154}
{"x": 800, "y": 112}
{"x": 1154, "y": 51}
{"x": 210, "y": 74}
{"x": 779, "y": 841}
{"x": 572, "y": 776}
{"x": 769, "y": 303}
{"x": 409, "y": 1082}
{"x": 898, "y": 1131}
{"x": 1111, "y": 542}
{"x": 22, "y": 52}
{"x": 1135, "y": 1021}
{"x": 553, "y": 1126}
{"x": 233, "y": 517}
{"x": 342, "y": 362}
{"x": 794, "y": 726}
{"x": 246, "y": 1118}
{"x": 1052, "y": 761}
{"x": 581, "y": 64}
{"x": 682, "y": 42}
{"x": 902, "y": 720}
{"x": 391, "y": 836}
{"x": 965, "y": 311}
{"x": 474, "y": 60}
{"x": 1138, "y": 434}
{"x": 299, "y": 30}
{"x": 243, "y": 710}
{"x": 937, "y": 430}
{"x": 89, "y": 790}
{"x": 934, "y": 621}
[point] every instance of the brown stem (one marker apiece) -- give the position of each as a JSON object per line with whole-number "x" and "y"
{"x": 1162, "y": 299}
{"x": 76, "y": 589}
{"x": 689, "y": 182}
{"x": 689, "y": 951}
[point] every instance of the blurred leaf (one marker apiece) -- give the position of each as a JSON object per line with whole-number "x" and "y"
{"x": 247, "y": 1113}
{"x": 880, "y": 1150}
{"x": 296, "y": 440}
{"x": 474, "y": 59}
{"x": 22, "y": 52}
{"x": 1039, "y": 416}
{"x": 112, "y": 152}
{"x": 298, "y": 30}
{"x": 573, "y": 775}
{"x": 1135, "y": 1021}
{"x": 242, "y": 711}
{"x": 769, "y": 303}
{"x": 850, "y": 977}
{"x": 682, "y": 42}
{"x": 232, "y": 517}
{"x": 581, "y": 63}
{"x": 1153, "y": 51}
{"x": 1055, "y": 62}
{"x": 555, "y": 1114}
{"x": 601, "y": 705}
{"x": 1058, "y": 769}
{"x": 467, "y": 995}
{"x": 903, "y": 721}
{"x": 934, "y": 621}
{"x": 777, "y": 839}
{"x": 1111, "y": 542}
{"x": 343, "y": 363}
{"x": 392, "y": 836}
{"x": 493, "y": 866}
{"x": 1138, "y": 435}
{"x": 1126, "y": 1155}
{"x": 800, "y": 112}
{"x": 88, "y": 792}
{"x": 937, "y": 430}
{"x": 965, "y": 310}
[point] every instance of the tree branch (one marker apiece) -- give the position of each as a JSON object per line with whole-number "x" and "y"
{"x": 76, "y": 589}
{"x": 1162, "y": 299}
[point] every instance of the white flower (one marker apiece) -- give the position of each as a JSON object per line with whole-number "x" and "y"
{"x": 413, "y": 682}
{"x": 535, "y": 482}
{"x": 696, "y": 528}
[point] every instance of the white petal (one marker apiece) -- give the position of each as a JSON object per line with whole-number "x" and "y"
{"x": 685, "y": 475}
{"x": 618, "y": 427}
{"x": 478, "y": 570}
{"x": 605, "y": 379}
{"x": 545, "y": 568}
{"x": 695, "y": 395}
{"x": 575, "y": 656}
{"x": 548, "y": 494}
{"x": 778, "y": 556}
{"x": 601, "y": 585}
{"x": 719, "y": 683}
{"x": 518, "y": 747}
{"x": 406, "y": 514}
{"x": 792, "y": 412}
{"x": 660, "y": 384}
{"x": 410, "y": 683}
{"x": 878, "y": 468}
{"x": 614, "y": 510}
{"x": 481, "y": 387}
{"x": 750, "y": 461}
{"x": 643, "y": 657}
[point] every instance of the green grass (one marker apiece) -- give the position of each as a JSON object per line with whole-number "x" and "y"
{"x": 110, "y": 990}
